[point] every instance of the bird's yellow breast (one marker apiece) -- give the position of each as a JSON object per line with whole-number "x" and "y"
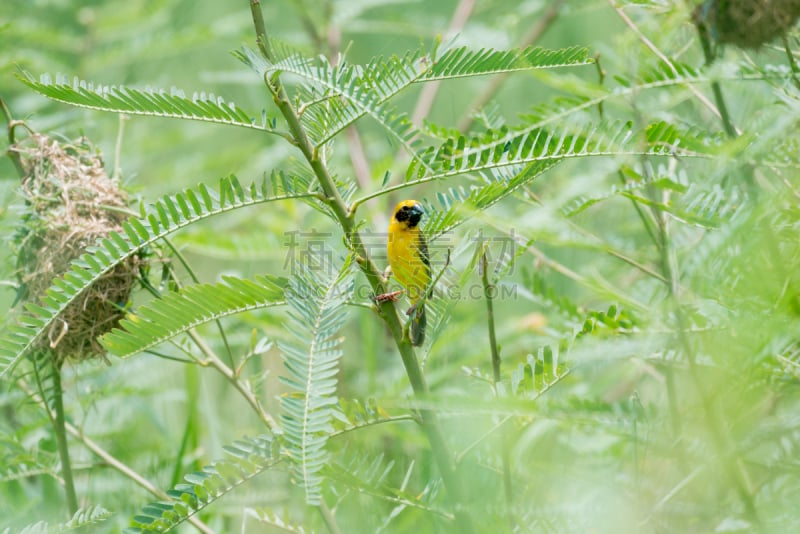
{"x": 408, "y": 258}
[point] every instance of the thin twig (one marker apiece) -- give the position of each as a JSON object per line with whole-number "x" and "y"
{"x": 16, "y": 159}
{"x": 792, "y": 62}
{"x": 110, "y": 460}
{"x": 214, "y": 361}
{"x": 487, "y": 294}
{"x": 505, "y": 444}
{"x": 708, "y": 52}
{"x": 653, "y": 48}
{"x": 115, "y": 175}
{"x": 328, "y": 518}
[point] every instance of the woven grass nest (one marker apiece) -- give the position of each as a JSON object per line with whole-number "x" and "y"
{"x": 70, "y": 202}
{"x": 747, "y": 23}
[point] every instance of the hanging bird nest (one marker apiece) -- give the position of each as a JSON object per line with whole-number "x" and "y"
{"x": 746, "y": 23}
{"x": 70, "y": 203}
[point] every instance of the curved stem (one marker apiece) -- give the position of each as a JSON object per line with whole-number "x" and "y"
{"x": 12, "y": 154}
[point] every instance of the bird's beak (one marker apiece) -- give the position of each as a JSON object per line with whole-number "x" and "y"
{"x": 415, "y": 214}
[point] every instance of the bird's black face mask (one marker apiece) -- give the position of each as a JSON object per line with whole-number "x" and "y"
{"x": 412, "y": 214}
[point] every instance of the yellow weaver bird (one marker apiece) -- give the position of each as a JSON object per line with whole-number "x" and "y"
{"x": 408, "y": 257}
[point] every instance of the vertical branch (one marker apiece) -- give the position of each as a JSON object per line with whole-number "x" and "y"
{"x": 720, "y": 438}
{"x": 790, "y": 58}
{"x": 708, "y": 53}
{"x": 61, "y": 438}
{"x": 487, "y": 293}
{"x": 58, "y": 421}
{"x": 261, "y": 30}
{"x": 12, "y": 124}
{"x": 387, "y": 311}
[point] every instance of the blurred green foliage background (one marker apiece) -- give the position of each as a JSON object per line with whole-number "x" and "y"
{"x": 650, "y": 383}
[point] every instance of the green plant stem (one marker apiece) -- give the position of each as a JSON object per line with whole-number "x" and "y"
{"x": 212, "y": 360}
{"x": 387, "y": 311}
{"x": 59, "y": 422}
{"x": 328, "y": 518}
{"x": 261, "y": 29}
{"x": 346, "y": 217}
{"x": 790, "y": 58}
{"x": 708, "y": 53}
{"x": 505, "y": 444}
{"x": 648, "y": 223}
{"x": 108, "y": 458}
{"x": 719, "y": 437}
{"x": 190, "y": 438}
{"x": 487, "y": 294}
{"x": 12, "y": 124}
{"x": 730, "y": 129}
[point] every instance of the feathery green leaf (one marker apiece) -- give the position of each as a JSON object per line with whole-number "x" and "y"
{"x": 317, "y": 313}
{"x": 79, "y": 521}
{"x": 188, "y": 308}
{"x": 156, "y": 103}
{"x": 244, "y": 460}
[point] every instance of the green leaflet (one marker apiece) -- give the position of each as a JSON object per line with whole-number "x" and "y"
{"x": 244, "y": 459}
{"x": 156, "y": 103}
{"x": 175, "y": 313}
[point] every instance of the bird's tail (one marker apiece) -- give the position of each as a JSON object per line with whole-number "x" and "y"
{"x": 418, "y": 324}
